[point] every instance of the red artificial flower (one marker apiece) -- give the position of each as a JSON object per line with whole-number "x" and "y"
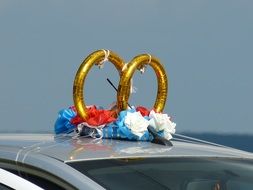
{"x": 144, "y": 111}
{"x": 76, "y": 120}
{"x": 96, "y": 117}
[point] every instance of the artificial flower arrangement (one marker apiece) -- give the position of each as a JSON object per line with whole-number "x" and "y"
{"x": 130, "y": 124}
{"x": 126, "y": 122}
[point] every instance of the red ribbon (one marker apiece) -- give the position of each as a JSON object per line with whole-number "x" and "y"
{"x": 144, "y": 111}
{"x": 96, "y": 117}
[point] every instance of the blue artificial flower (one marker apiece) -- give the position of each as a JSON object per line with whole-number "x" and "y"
{"x": 63, "y": 122}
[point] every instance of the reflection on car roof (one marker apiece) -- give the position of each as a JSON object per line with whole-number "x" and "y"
{"x": 69, "y": 148}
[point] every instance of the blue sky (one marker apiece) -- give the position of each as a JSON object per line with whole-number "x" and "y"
{"x": 206, "y": 47}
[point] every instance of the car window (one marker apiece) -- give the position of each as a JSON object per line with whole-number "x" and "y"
{"x": 4, "y": 187}
{"x": 9, "y": 180}
{"x": 169, "y": 173}
{"x": 39, "y": 180}
{"x": 36, "y": 176}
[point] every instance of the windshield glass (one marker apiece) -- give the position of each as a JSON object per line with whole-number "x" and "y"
{"x": 170, "y": 173}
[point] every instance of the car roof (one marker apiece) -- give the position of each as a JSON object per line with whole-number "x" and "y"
{"x": 71, "y": 148}
{"x": 48, "y": 154}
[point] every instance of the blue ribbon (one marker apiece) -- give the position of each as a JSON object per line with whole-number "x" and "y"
{"x": 118, "y": 129}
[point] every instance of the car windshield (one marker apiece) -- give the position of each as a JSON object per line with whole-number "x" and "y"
{"x": 169, "y": 173}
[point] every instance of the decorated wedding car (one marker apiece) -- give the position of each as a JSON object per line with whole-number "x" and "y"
{"x": 121, "y": 147}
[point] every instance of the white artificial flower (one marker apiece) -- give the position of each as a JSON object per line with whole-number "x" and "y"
{"x": 136, "y": 123}
{"x": 162, "y": 122}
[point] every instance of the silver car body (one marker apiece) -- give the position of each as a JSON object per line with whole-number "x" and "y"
{"x": 50, "y": 154}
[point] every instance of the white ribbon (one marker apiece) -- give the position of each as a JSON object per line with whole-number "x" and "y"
{"x": 101, "y": 63}
{"x": 94, "y": 131}
{"x": 142, "y": 70}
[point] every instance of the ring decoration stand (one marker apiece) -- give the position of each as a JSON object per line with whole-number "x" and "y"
{"x": 125, "y": 122}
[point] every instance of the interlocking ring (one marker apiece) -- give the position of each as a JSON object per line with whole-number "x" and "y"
{"x": 139, "y": 62}
{"x": 96, "y": 58}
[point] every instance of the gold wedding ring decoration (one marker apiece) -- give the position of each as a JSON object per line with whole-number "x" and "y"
{"x": 137, "y": 63}
{"x": 126, "y": 72}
